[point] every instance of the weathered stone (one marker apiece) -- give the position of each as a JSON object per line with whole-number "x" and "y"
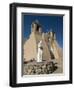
{"x": 51, "y": 49}
{"x": 39, "y": 68}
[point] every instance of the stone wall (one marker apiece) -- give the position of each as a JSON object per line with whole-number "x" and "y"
{"x": 34, "y": 68}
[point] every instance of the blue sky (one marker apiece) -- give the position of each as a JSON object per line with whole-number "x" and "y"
{"x": 48, "y": 22}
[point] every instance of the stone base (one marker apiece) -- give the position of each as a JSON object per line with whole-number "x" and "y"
{"x": 36, "y": 68}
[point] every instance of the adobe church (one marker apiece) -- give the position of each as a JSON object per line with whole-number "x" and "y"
{"x": 50, "y": 48}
